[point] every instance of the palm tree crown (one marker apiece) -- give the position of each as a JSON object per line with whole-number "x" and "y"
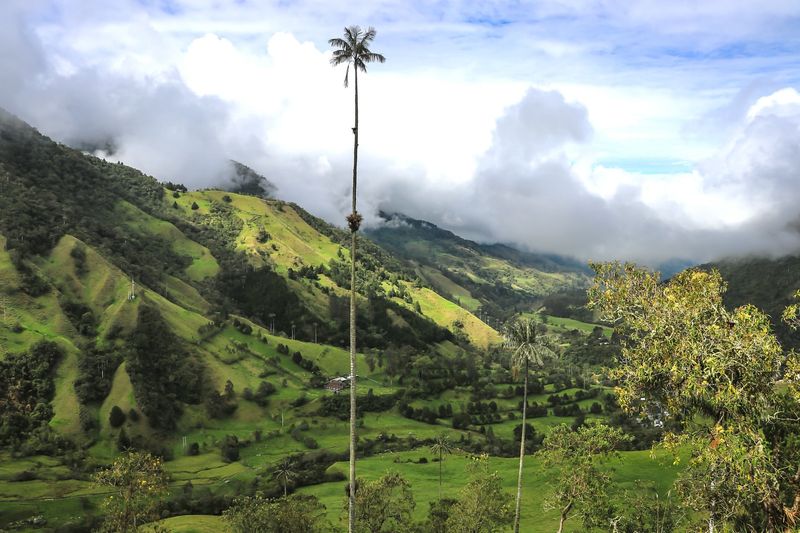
{"x": 441, "y": 446}
{"x": 527, "y": 344}
{"x": 354, "y": 50}
{"x": 285, "y": 472}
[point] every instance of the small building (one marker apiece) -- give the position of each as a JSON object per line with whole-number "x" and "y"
{"x": 337, "y": 384}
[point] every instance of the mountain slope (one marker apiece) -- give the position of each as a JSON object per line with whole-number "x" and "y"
{"x": 769, "y": 284}
{"x": 494, "y": 278}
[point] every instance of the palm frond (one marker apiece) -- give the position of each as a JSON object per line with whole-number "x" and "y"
{"x": 336, "y": 42}
{"x": 371, "y": 57}
{"x": 352, "y": 33}
{"x": 340, "y": 59}
{"x": 369, "y": 35}
{"x": 347, "y": 75}
{"x": 527, "y": 344}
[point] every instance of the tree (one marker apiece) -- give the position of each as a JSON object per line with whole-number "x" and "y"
{"x": 441, "y": 446}
{"x": 527, "y": 346}
{"x": 645, "y": 511}
{"x": 483, "y": 505}
{"x": 116, "y": 417}
{"x": 285, "y": 472}
{"x": 687, "y": 358}
{"x": 438, "y": 513}
{"x": 384, "y": 505}
{"x": 579, "y": 483}
{"x": 354, "y": 51}
{"x": 295, "y": 514}
{"x": 139, "y": 483}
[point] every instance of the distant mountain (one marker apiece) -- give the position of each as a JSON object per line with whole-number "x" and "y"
{"x": 245, "y": 180}
{"x": 766, "y": 283}
{"x": 495, "y": 278}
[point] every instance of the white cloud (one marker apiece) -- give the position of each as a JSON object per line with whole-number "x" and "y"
{"x": 591, "y": 128}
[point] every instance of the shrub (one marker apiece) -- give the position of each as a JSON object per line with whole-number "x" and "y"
{"x": 116, "y": 417}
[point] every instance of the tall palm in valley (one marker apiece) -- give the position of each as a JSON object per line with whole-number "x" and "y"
{"x": 441, "y": 446}
{"x": 528, "y": 346}
{"x": 285, "y": 472}
{"x": 353, "y": 49}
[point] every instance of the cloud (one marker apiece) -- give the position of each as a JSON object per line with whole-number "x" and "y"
{"x": 746, "y": 199}
{"x": 588, "y": 128}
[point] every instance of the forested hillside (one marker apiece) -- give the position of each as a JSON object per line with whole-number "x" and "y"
{"x": 203, "y": 325}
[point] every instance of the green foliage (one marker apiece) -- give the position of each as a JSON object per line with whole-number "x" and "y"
{"x": 162, "y": 373}
{"x": 295, "y": 514}
{"x": 438, "y": 514}
{"x": 384, "y": 505}
{"x": 138, "y": 483}
{"x": 483, "y": 506}
{"x": 116, "y": 417}
{"x": 644, "y": 511}
{"x": 96, "y": 367}
{"x": 687, "y": 357}
{"x": 81, "y": 317}
{"x": 580, "y": 485}
{"x": 230, "y": 448}
{"x": 260, "y": 292}
{"x": 26, "y": 389}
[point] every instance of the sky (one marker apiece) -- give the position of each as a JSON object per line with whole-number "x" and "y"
{"x": 638, "y": 130}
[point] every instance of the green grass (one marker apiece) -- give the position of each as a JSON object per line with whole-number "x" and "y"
{"x": 446, "y": 313}
{"x": 445, "y": 285}
{"x": 194, "y": 524}
{"x": 658, "y": 472}
{"x": 203, "y": 266}
{"x": 568, "y": 324}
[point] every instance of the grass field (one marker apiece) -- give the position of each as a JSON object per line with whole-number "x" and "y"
{"x": 657, "y": 472}
{"x": 193, "y": 524}
{"x": 561, "y": 324}
{"x": 203, "y": 265}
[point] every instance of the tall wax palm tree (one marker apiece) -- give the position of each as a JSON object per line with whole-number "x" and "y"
{"x": 285, "y": 472}
{"x": 441, "y": 446}
{"x": 528, "y": 346}
{"x": 354, "y": 50}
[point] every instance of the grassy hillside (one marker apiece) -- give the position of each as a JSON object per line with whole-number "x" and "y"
{"x": 495, "y": 278}
{"x": 239, "y": 318}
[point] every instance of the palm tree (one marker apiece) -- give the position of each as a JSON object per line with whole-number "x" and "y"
{"x": 285, "y": 472}
{"x": 354, "y": 50}
{"x": 527, "y": 347}
{"x": 441, "y": 445}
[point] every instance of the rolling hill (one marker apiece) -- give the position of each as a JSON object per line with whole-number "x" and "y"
{"x": 496, "y": 279}
{"x": 203, "y": 326}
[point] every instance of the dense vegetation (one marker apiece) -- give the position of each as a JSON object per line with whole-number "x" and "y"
{"x": 217, "y": 361}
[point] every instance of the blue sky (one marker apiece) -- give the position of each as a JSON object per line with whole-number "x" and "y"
{"x": 642, "y": 129}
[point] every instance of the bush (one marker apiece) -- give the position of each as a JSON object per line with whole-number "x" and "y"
{"x": 230, "y": 448}
{"x": 25, "y": 475}
{"x": 195, "y": 207}
{"x": 116, "y": 417}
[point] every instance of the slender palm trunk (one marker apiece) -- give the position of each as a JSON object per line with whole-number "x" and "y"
{"x": 353, "y": 230}
{"x": 522, "y": 448}
{"x": 440, "y": 474}
{"x": 284, "y": 487}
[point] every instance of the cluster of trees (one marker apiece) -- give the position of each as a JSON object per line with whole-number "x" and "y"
{"x": 724, "y": 382}
{"x": 26, "y": 389}
{"x": 152, "y": 348}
